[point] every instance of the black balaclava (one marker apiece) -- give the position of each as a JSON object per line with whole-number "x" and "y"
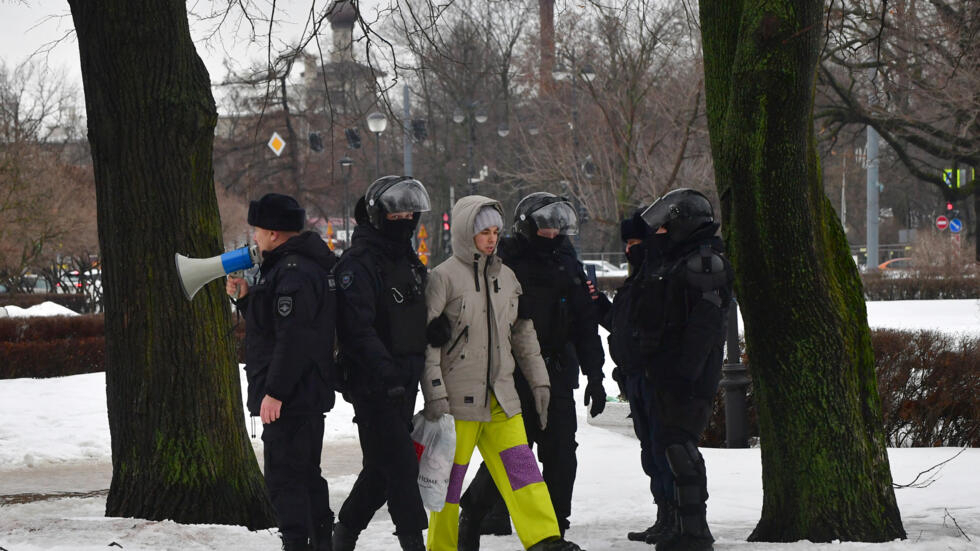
{"x": 399, "y": 231}
{"x": 636, "y": 254}
{"x": 543, "y": 244}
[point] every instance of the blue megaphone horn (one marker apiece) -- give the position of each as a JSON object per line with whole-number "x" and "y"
{"x": 194, "y": 273}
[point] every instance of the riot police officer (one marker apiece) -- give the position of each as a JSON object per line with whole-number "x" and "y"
{"x": 289, "y": 337}
{"x": 555, "y": 296}
{"x": 676, "y": 322}
{"x": 624, "y": 350}
{"x": 381, "y": 328}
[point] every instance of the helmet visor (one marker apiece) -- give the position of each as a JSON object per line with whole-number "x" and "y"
{"x": 556, "y": 216}
{"x": 658, "y": 214}
{"x": 405, "y": 196}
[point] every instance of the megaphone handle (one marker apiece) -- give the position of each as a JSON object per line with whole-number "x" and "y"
{"x": 240, "y": 274}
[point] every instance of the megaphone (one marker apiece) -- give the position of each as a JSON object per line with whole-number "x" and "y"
{"x": 194, "y": 273}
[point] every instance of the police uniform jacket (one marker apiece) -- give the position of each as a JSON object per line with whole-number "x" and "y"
{"x": 670, "y": 321}
{"x": 289, "y": 331}
{"x": 479, "y": 296}
{"x": 555, "y": 297}
{"x": 381, "y": 322}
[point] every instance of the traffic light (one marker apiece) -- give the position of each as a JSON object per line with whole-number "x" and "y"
{"x": 447, "y": 238}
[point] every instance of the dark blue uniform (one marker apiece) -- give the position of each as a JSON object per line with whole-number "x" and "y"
{"x": 289, "y": 344}
{"x": 667, "y": 327}
{"x": 555, "y": 296}
{"x": 381, "y": 326}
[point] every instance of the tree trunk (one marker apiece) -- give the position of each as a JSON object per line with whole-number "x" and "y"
{"x": 824, "y": 465}
{"x": 179, "y": 446}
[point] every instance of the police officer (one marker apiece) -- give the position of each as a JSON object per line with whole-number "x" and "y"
{"x": 557, "y": 299}
{"x": 289, "y": 336}
{"x": 676, "y": 322}
{"x": 630, "y": 374}
{"x": 382, "y": 319}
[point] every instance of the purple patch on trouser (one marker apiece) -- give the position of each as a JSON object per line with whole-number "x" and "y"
{"x": 521, "y": 466}
{"x": 456, "y": 483}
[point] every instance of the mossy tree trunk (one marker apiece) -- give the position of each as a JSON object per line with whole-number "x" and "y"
{"x": 180, "y": 450}
{"x": 824, "y": 465}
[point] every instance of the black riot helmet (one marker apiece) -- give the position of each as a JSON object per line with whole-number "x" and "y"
{"x": 394, "y": 194}
{"x": 681, "y": 211}
{"x": 542, "y": 210}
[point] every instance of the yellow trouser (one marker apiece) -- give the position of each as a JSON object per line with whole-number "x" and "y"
{"x": 503, "y": 445}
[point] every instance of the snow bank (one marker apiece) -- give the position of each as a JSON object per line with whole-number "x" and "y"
{"x": 38, "y": 310}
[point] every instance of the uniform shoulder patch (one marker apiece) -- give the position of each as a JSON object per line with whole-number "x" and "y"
{"x": 345, "y": 279}
{"x": 284, "y": 305}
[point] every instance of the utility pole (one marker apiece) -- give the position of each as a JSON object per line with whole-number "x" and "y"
{"x": 872, "y": 189}
{"x": 406, "y": 126}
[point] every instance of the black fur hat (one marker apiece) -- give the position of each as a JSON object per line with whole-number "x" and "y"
{"x": 275, "y": 211}
{"x": 633, "y": 227}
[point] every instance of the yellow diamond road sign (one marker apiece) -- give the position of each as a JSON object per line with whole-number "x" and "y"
{"x": 276, "y": 144}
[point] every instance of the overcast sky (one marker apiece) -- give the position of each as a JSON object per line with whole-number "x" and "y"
{"x": 29, "y": 26}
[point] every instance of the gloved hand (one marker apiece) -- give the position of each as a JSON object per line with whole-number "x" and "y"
{"x": 596, "y": 393}
{"x": 434, "y": 409}
{"x": 542, "y": 395}
{"x": 438, "y": 332}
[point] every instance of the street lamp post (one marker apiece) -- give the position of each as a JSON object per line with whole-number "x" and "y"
{"x": 345, "y": 165}
{"x": 377, "y": 123}
{"x": 476, "y": 116}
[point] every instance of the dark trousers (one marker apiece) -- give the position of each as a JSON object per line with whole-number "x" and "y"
{"x": 390, "y": 467}
{"x": 556, "y": 451}
{"x": 682, "y": 420}
{"x": 647, "y": 425}
{"x": 299, "y": 495}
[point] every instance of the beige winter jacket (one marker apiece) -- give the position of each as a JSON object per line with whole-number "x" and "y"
{"x": 486, "y": 335}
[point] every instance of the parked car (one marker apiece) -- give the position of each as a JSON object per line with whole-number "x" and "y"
{"x": 901, "y": 263}
{"x": 604, "y": 268}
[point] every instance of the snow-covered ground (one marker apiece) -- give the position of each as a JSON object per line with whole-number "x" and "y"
{"x": 54, "y": 444}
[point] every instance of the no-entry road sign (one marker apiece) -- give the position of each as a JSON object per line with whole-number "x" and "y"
{"x": 942, "y": 222}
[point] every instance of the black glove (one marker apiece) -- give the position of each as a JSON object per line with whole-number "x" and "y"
{"x": 438, "y": 332}
{"x": 596, "y": 393}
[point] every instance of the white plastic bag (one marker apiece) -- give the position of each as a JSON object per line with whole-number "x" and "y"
{"x": 435, "y": 446}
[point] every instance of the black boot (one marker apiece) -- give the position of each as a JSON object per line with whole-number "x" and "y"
{"x": 497, "y": 521}
{"x": 666, "y": 524}
{"x": 469, "y": 532}
{"x": 291, "y": 544}
{"x": 554, "y": 543}
{"x": 343, "y": 539}
{"x": 692, "y": 534}
{"x": 322, "y": 534}
{"x": 411, "y": 541}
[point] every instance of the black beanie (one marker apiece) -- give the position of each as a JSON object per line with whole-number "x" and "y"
{"x": 275, "y": 211}
{"x": 633, "y": 227}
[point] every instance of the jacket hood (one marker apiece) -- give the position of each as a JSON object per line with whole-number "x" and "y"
{"x": 464, "y": 214}
{"x": 307, "y": 244}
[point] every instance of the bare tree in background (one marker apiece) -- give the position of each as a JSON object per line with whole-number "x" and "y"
{"x": 911, "y": 70}
{"x": 47, "y": 195}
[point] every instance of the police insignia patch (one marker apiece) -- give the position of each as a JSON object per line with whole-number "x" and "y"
{"x": 346, "y": 279}
{"x": 284, "y": 306}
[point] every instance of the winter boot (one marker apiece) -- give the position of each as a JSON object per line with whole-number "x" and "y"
{"x": 322, "y": 533}
{"x": 554, "y": 543}
{"x": 666, "y": 524}
{"x": 469, "y": 532}
{"x": 411, "y": 541}
{"x": 292, "y": 544}
{"x": 497, "y": 521}
{"x": 692, "y": 534}
{"x": 664, "y": 517}
{"x": 343, "y": 539}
